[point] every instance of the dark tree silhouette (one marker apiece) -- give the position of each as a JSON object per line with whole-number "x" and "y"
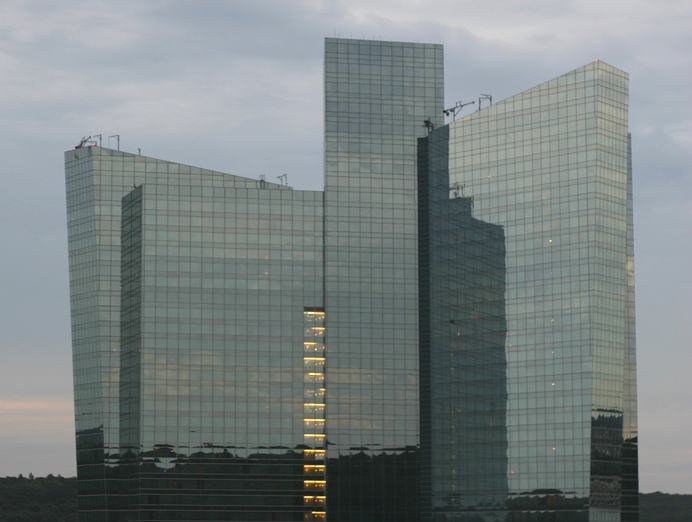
{"x": 54, "y": 499}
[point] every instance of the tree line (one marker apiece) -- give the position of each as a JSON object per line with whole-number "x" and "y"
{"x": 38, "y": 499}
{"x": 54, "y": 499}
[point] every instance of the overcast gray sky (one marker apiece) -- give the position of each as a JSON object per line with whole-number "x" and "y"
{"x": 236, "y": 86}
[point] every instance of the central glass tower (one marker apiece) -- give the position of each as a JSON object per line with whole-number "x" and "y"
{"x": 377, "y": 95}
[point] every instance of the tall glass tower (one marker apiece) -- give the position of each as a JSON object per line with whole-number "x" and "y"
{"x": 198, "y": 327}
{"x": 552, "y": 168}
{"x": 377, "y": 95}
{"x": 446, "y": 333}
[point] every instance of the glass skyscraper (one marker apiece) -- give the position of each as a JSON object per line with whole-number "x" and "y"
{"x": 377, "y": 95}
{"x": 445, "y": 333}
{"x": 551, "y": 169}
{"x": 198, "y": 340}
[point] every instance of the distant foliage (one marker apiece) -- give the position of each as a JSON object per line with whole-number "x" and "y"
{"x": 54, "y": 499}
{"x": 662, "y": 507}
{"x": 43, "y": 499}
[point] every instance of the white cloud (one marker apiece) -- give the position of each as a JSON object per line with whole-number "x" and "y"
{"x": 93, "y": 24}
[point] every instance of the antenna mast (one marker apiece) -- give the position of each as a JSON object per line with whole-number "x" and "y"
{"x": 453, "y": 111}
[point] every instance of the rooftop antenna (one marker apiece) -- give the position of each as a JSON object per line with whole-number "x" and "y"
{"x": 428, "y": 124}
{"x": 85, "y": 141}
{"x": 100, "y": 137}
{"x": 456, "y": 189}
{"x": 453, "y": 111}
{"x": 484, "y": 97}
{"x": 117, "y": 137}
{"x": 283, "y": 179}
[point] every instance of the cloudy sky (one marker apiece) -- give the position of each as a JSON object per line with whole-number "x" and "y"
{"x": 236, "y": 86}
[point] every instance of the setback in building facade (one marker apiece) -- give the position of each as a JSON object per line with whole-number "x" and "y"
{"x": 446, "y": 332}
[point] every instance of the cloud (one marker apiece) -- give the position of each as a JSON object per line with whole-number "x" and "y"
{"x": 36, "y": 418}
{"x": 93, "y": 24}
{"x": 31, "y": 407}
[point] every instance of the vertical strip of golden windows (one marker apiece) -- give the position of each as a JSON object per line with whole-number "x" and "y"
{"x": 315, "y": 437}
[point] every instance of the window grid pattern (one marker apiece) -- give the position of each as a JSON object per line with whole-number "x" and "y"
{"x": 481, "y": 355}
{"x": 551, "y": 166}
{"x": 314, "y": 454}
{"x": 208, "y": 422}
{"x": 377, "y": 95}
{"x": 463, "y": 337}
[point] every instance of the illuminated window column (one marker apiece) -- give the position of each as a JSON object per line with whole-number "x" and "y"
{"x": 314, "y": 465}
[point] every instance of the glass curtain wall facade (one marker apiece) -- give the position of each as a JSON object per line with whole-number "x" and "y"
{"x": 377, "y": 95}
{"x": 200, "y": 400}
{"x": 445, "y": 333}
{"x": 552, "y": 167}
{"x": 462, "y": 348}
